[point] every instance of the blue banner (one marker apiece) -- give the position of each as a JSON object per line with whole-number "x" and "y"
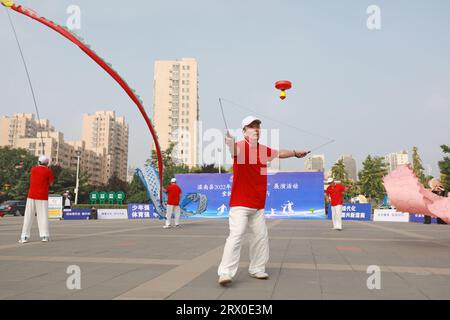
{"x": 290, "y": 195}
{"x": 420, "y": 218}
{"x": 354, "y": 211}
{"x": 141, "y": 211}
{"x": 76, "y": 214}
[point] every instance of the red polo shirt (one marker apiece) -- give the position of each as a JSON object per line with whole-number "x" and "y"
{"x": 40, "y": 179}
{"x": 250, "y": 175}
{"x": 174, "y": 192}
{"x": 336, "y": 194}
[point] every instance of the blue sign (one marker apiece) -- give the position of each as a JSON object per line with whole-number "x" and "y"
{"x": 290, "y": 195}
{"x": 420, "y": 218}
{"x": 76, "y": 214}
{"x": 354, "y": 211}
{"x": 141, "y": 211}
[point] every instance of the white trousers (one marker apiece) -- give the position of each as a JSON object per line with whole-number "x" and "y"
{"x": 336, "y": 213}
{"x": 170, "y": 210}
{"x": 41, "y": 208}
{"x": 239, "y": 218}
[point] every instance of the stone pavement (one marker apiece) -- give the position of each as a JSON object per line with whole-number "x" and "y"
{"x": 138, "y": 259}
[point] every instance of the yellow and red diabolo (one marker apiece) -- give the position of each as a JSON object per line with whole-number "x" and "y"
{"x": 283, "y": 85}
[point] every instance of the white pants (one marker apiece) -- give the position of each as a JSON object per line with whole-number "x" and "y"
{"x": 170, "y": 210}
{"x": 41, "y": 208}
{"x": 239, "y": 218}
{"x": 336, "y": 213}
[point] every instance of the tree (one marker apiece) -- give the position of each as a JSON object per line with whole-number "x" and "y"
{"x": 371, "y": 178}
{"x": 15, "y": 165}
{"x": 116, "y": 184}
{"x": 137, "y": 192}
{"x": 339, "y": 173}
{"x": 170, "y": 167}
{"x": 418, "y": 168}
{"x": 444, "y": 166}
{"x": 65, "y": 179}
{"x": 208, "y": 168}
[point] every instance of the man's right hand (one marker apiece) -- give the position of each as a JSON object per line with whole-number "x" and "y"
{"x": 229, "y": 140}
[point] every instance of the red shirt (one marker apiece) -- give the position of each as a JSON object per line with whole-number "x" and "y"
{"x": 174, "y": 192}
{"x": 250, "y": 175}
{"x": 336, "y": 194}
{"x": 40, "y": 179}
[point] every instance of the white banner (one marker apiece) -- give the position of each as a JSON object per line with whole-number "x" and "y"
{"x": 108, "y": 214}
{"x": 390, "y": 215}
{"x": 55, "y": 206}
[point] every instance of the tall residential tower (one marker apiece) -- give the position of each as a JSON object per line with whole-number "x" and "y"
{"x": 176, "y": 108}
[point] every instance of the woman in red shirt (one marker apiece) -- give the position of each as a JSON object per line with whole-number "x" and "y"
{"x": 173, "y": 203}
{"x": 334, "y": 194}
{"x": 41, "y": 177}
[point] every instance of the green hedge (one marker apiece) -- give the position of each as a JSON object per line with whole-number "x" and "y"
{"x": 100, "y": 206}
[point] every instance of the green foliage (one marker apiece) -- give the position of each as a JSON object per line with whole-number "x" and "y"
{"x": 15, "y": 165}
{"x": 338, "y": 173}
{"x": 170, "y": 166}
{"x": 137, "y": 192}
{"x": 115, "y": 184}
{"x": 371, "y": 178}
{"x": 418, "y": 168}
{"x": 208, "y": 168}
{"x": 444, "y": 166}
{"x": 100, "y": 206}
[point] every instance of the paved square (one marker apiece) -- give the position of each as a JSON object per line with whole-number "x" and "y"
{"x": 138, "y": 259}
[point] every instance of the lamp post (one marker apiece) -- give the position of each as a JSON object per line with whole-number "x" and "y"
{"x": 78, "y": 153}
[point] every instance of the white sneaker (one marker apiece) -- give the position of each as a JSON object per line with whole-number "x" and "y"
{"x": 177, "y": 226}
{"x": 259, "y": 275}
{"x": 225, "y": 279}
{"x": 23, "y": 240}
{"x": 45, "y": 239}
{"x": 166, "y": 227}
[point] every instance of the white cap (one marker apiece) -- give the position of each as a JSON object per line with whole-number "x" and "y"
{"x": 43, "y": 159}
{"x": 330, "y": 180}
{"x": 249, "y": 120}
{"x": 173, "y": 180}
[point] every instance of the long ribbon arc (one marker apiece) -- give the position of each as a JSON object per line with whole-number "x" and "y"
{"x": 68, "y": 35}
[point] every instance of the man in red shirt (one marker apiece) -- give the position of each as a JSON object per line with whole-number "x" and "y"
{"x": 173, "y": 203}
{"x": 41, "y": 177}
{"x": 248, "y": 197}
{"x": 334, "y": 195}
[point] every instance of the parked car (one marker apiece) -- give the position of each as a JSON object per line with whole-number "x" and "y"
{"x": 14, "y": 207}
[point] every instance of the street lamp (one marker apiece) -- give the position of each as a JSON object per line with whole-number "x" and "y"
{"x": 78, "y": 153}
